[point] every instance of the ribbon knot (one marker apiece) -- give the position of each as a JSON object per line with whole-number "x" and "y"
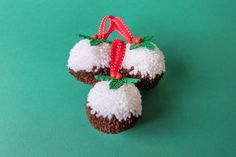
{"x": 118, "y": 46}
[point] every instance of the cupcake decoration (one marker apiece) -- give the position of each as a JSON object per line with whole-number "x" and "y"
{"x": 117, "y": 70}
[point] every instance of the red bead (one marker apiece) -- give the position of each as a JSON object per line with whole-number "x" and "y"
{"x": 95, "y": 36}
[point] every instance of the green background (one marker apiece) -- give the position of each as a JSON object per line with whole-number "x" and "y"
{"x": 191, "y": 112}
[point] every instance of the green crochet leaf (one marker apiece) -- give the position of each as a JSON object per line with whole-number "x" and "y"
{"x": 115, "y": 84}
{"x": 103, "y": 78}
{"x": 130, "y": 80}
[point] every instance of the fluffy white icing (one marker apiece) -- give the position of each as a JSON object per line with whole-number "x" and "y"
{"x": 145, "y": 61}
{"x": 83, "y": 56}
{"x": 122, "y": 102}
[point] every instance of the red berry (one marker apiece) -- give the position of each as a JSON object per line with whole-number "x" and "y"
{"x": 99, "y": 36}
{"x": 113, "y": 74}
{"x": 138, "y": 40}
{"x": 133, "y": 40}
{"x": 118, "y": 76}
{"x": 95, "y": 36}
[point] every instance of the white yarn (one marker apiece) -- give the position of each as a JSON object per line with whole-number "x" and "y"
{"x": 83, "y": 56}
{"x": 145, "y": 61}
{"x": 122, "y": 102}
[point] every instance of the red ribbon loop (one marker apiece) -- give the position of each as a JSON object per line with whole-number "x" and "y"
{"x": 117, "y": 24}
{"x": 122, "y": 29}
{"x": 102, "y": 27}
{"x": 117, "y": 55}
{"x": 118, "y": 46}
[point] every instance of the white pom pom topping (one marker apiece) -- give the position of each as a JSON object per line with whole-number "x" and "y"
{"x": 147, "y": 62}
{"x": 83, "y": 56}
{"x": 122, "y": 102}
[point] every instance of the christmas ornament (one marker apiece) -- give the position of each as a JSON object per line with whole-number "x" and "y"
{"x": 117, "y": 70}
{"x": 91, "y": 56}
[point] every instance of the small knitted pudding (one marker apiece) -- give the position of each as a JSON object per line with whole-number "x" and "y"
{"x": 146, "y": 64}
{"x": 86, "y": 60}
{"x": 113, "y": 110}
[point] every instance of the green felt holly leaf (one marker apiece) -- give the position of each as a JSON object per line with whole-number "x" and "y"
{"x": 84, "y": 36}
{"x": 103, "y": 78}
{"x": 94, "y": 42}
{"x": 104, "y": 40}
{"x": 147, "y": 38}
{"x": 115, "y": 84}
{"x": 134, "y": 46}
{"x": 146, "y": 42}
{"x": 130, "y": 80}
{"x": 149, "y": 45}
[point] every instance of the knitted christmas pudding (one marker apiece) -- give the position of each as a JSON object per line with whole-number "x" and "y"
{"x": 144, "y": 62}
{"x": 113, "y": 110}
{"x": 90, "y": 56}
{"x": 142, "y": 59}
{"x": 114, "y": 104}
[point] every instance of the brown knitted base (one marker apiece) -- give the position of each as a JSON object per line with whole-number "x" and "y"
{"x": 88, "y": 77}
{"x": 112, "y": 126}
{"x": 145, "y": 82}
